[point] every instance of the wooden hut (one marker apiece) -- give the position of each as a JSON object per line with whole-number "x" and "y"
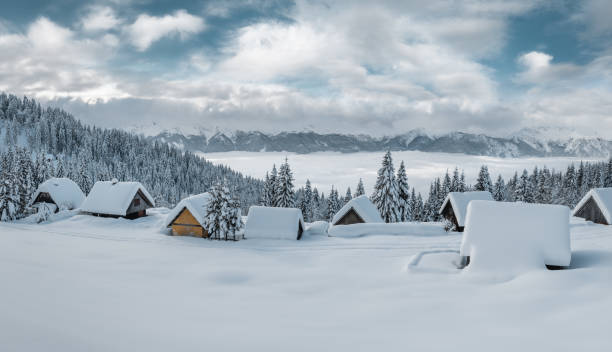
{"x": 118, "y": 199}
{"x": 274, "y": 223}
{"x": 58, "y": 193}
{"x": 454, "y": 207}
{"x": 358, "y": 210}
{"x": 187, "y": 218}
{"x": 596, "y": 206}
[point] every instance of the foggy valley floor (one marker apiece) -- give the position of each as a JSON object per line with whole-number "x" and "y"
{"x": 342, "y": 170}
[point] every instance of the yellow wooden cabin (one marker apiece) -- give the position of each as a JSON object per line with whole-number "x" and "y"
{"x": 187, "y": 217}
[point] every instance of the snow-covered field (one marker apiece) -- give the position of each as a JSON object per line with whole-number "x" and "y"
{"x": 93, "y": 284}
{"x": 344, "y": 170}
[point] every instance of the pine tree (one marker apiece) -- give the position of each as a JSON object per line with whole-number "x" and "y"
{"x": 333, "y": 204}
{"x": 360, "y": 189}
{"x": 608, "y": 174}
{"x": 403, "y": 192}
{"x": 499, "y": 189}
{"x": 385, "y": 195}
{"x": 347, "y": 196}
{"x": 9, "y": 199}
{"x": 23, "y": 181}
{"x": 524, "y": 190}
{"x": 307, "y": 203}
{"x": 316, "y": 206}
{"x": 462, "y": 185}
{"x": 483, "y": 182}
{"x": 222, "y": 219}
{"x": 570, "y": 187}
{"x": 285, "y": 194}
{"x": 419, "y": 209}
{"x": 272, "y": 187}
{"x": 455, "y": 182}
{"x": 265, "y": 201}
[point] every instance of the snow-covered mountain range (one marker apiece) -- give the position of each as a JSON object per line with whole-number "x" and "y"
{"x": 524, "y": 143}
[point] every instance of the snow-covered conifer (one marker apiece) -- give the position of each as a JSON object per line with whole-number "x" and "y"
{"x": 385, "y": 195}
{"x": 285, "y": 194}
{"x": 403, "y": 193}
{"x": 499, "y": 189}
{"x": 360, "y": 189}
{"x": 222, "y": 219}
{"x": 483, "y": 182}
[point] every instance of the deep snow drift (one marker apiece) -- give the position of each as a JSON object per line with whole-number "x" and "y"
{"x": 96, "y": 284}
{"x": 509, "y": 238}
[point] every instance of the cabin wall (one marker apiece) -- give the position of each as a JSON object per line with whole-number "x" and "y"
{"x": 351, "y": 217}
{"x": 590, "y": 211}
{"x": 449, "y": 214}
{"x": 44, "y": 197}
{"x": 186, "y": 224}
{"x": 300, "y": 231}
{"x": 138, "y": 205}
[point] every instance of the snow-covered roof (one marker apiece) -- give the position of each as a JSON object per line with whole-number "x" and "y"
{"x": 64, "y": 192}
{"x": 363, "y": 207}
{"x": 195, "y": 204}
{"x": 460, "y": 200}
{"x": 603, "y": 198}
{"x": 275, "y": 223}
{"x": 513, "y": 236}
{"x": 113, "y": 198}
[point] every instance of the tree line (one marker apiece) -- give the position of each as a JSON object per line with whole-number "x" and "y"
{"x": 397, "y": 201}
{"x": 58, "y": 145}
{"x": 41, "y": 143}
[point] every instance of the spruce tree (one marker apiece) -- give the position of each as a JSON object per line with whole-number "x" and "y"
{"x": 307, "y": 203}
{"x": 333, "y": 204}
{"x": 347, "y": 196}
{"x": 9, "y": 199}
{"x": 222, "y": 219}
{"x": 385, "y": 195}
{"x": 272, "y": 187}
{"x": 499, "y": 189}
{"x": 360, "y": 189}
{"x": 483, "y": 182}
{"x": 455, "y": 182}
{"x": 403, "y": 192}
{"x": 285, "y": 194}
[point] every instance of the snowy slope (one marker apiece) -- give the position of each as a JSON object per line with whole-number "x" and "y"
{"x": 99, "y": 284}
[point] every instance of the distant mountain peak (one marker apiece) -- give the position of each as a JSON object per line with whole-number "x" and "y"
{"x": 525, "y": 143}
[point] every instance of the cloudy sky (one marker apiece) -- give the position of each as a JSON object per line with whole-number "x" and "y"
{"x": 379, "y": 67}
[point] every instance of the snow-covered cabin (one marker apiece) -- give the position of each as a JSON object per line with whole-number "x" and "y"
{"x": 358, "y": 210}
{"x": 118, "y": 199}
{"x": 513, "y": 236}
{"x": 455, "y": 205}
{"x": 187, "y": 218}
{"x": 61, "y": 193}
{"x": 274, "y": 223}
{"x": 596, "y": 206}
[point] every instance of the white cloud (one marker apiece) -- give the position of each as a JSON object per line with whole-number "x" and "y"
{"x": 50, "y": 61}
{"x": 380, "y": 68}
{"x": 540, "y": 69}
{"x": 100, "y": 18}
{"x": 148, "y": 29}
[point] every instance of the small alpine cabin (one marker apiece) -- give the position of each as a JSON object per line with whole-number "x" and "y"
{"x": 596, "y": 206}
{"x": 187, "y": 218}
{"x": 454, "y": 207}
{"x": 358, "y": 210}
{"x": 59, "y": 193}
{"x": 274, "y": 223}
{"x": 118, "y": 199}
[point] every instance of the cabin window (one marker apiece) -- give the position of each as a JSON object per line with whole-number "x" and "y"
{"x": 136, "y": 202}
